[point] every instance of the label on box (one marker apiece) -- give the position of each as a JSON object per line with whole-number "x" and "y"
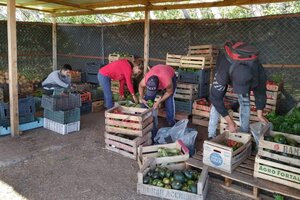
{"x": 216, "y": 159}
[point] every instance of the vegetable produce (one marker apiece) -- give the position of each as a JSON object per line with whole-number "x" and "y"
{"x": 279, "y": 138}
{"x": 185, "y": 180}
{"x": 165, "y": 152}
{"x": 233, "y": 144}
{"x": 150, "y": 103}
{"x": 288, "y": 123}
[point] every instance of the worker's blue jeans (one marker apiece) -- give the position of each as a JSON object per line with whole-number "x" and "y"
{"x": 105, "y": 83}
{"x": 170, "y": 110}
{"x": 244, "y": 111}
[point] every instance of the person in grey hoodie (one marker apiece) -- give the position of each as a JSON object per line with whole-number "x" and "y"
{"x": 58, "y": 79}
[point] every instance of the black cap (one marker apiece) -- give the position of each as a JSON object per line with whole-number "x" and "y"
{"x": 152, "y": 87}
{"x": 241, "y": 79}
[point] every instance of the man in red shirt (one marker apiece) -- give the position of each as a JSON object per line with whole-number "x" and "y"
{"x": 160, "y": 77}
{"x": 121, "y": 70}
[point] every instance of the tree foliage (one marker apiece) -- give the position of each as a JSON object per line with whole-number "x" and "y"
{"x": 204, "y": 13}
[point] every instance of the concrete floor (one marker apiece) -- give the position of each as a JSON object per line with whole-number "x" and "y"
{"x": 44, "y": 165}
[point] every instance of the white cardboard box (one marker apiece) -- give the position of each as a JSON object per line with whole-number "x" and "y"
{"x": 221, "y": 157}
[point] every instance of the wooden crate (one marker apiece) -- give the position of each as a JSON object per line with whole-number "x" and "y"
{"x": 150, "y": 190}
{"x": 134, "y": 121}
{"x": 173, "y": 60}
{"x": 115, "y": 57}
{"x": 201, "y": 111}
{"x": 203, "y": 50}
{"x": 147, "y": 152}
{"x": 241, "y": 180}
{"x": 270, "y": 165}
{"x": 197, "y": 62}
{"x": 97, "y": 106}
{"x": 271, "y": 86}
{"x": 178, "y": 115}
{"x": 222, "y": 157}
{"x": 186, "y": 91}
{"x": 126, "y": 145}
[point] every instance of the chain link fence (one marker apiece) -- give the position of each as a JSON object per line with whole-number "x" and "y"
{"x": 277, "y": 38}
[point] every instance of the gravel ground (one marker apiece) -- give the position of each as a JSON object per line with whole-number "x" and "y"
{"x": 44, "y": 165}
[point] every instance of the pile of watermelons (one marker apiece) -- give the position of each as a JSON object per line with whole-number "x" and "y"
{"x": 184, "y": 180}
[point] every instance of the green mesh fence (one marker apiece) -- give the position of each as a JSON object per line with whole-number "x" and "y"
{"x": 277, "y": 38}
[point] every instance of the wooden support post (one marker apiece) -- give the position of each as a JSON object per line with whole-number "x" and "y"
{"x": 54, "y": 43}
{"x": 146, "y": 40}
{"x": 12, "y": 67}
{"x": 255, "y": 192}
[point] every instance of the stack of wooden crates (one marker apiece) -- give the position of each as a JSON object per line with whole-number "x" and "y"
{"x": 194, "y": 76}
{"x": 127, "y": 128}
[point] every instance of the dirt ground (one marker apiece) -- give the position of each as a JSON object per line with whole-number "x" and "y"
{"x": 45, "y": 165}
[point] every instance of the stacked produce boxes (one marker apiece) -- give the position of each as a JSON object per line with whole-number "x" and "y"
{"x": 62, "y": 112}
{"x": 278, "y": 157}
{"x": 127, "y": 128}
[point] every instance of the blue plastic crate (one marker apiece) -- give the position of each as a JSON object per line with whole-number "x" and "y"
{"x": 22, "y": 120}
{"x": 197, "y": 77}
{"x": 26, "y": 107}
{"x": 91, "y": 78}
{"x": 39, "y": 122}
{"x": 185, "y": 106}
{"x": 86, "y": 108}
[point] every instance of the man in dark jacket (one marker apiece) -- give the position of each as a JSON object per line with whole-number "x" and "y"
{"x": 243, "y": 71}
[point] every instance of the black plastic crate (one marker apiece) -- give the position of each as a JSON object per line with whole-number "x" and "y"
{"x": 86, "y": 108}
{"x": 62, "y": 102}
{"x": 63, "y": 117}
{"x": 185, "y": 106}
{"x": 92, "y": 68}
{"x": 197, "y": 77}
{"x": 91, "y": 78}
{"x": 97, "y": 94}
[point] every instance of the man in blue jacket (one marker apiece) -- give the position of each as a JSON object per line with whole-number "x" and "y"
{"x": 239, "y": 67}
{"x": 58, "y": 79}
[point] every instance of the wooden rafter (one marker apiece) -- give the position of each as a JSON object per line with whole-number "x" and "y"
{"x": 66, "y": 3}
{"x": 170, "y": 7}
{"x": 103, "y": 11}
{"x": 214, "y": 4}
{"x": 109, "y": 4}
{"x": 28, "y": 8}
{"x": 32, "y": 3}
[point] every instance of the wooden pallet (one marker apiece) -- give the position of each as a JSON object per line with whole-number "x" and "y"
{"x": 187, "y": 91}
{"x": 243, "y": 176}
{"x": 126, "y": 145}
{"x": 173, "y": 60}
{"x": 203, "y": 50}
